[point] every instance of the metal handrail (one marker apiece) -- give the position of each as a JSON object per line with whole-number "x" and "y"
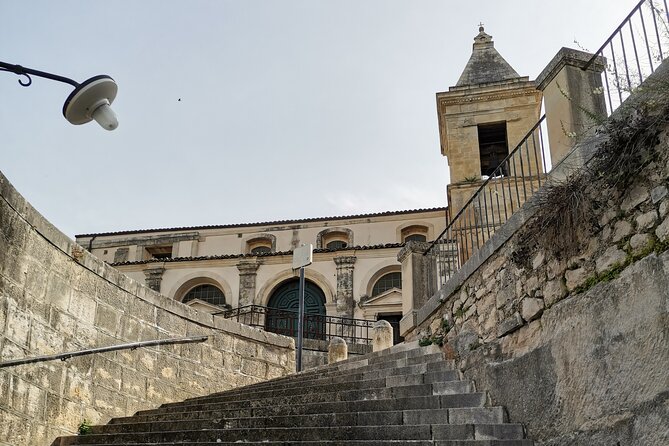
{"x": 633, "y": 51}
{"x": 91, "y": 351}
{"x": 326, "y": 327}
{"x": 608, "y": 41}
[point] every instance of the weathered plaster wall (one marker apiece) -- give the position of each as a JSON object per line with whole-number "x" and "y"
{"x": 574, "y": 347}
{"x": 56, "y": 297}
{"x": 372, "y": 230}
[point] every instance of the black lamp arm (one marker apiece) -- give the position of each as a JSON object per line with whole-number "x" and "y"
{"x": 27, "y": 72}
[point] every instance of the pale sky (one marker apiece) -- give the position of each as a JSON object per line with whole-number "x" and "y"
{"x": 289, "y": 109}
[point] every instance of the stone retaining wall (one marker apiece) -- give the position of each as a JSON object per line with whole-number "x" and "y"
{"x": 56, "y": 297}
{"x": 575, "y": 347}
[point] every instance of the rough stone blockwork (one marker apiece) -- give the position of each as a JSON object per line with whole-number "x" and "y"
{"x": 575, "y": 346}
{"x": 56, "y": 297}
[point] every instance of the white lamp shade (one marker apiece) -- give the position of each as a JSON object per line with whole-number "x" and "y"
{"x": 91, "y": 100}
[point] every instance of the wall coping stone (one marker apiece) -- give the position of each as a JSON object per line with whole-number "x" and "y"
{"x": 568, "y": 56}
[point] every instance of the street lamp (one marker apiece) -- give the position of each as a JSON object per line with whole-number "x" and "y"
{"x": 90, "y": 99}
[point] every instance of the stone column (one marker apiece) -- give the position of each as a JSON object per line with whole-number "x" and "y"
{"x": 572, "y": 96}
{"x": 415, "y": 287}
{"x": 344, "y": 297}
{"x": 154, "y": 275}
{"x": 247, "y": 281}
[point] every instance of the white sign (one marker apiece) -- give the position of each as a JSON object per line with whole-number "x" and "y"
{"x": 302, "y": 256}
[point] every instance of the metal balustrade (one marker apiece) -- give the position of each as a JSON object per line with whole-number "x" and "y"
{"x": 316, "y": 326}
{"x": 633, "y": 51}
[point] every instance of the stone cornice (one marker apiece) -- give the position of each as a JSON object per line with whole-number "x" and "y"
{"x": 450, "y": 99}
{"x": 568, "y": 57}
{"x": 345, "y": 261}
{"x": 246, "y": 267}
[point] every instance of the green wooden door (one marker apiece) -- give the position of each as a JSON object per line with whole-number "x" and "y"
{"x": 284, "y": 305}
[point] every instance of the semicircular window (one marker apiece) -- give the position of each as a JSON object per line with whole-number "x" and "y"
{"x": 206, "y": 293}
{"x": 386, "y": 282}
{"x": 336, "y": 244}
{"x": 261, "y": 250}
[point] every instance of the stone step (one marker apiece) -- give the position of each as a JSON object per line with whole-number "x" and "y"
{"x": 415, "y": 403}
{"x": 387, "y": 432}
{"x": 341, "y": 443}
{"x": 234, "y": 420}
{"x": 404, "y": 396}
{"x": 351, "y": 383}
{"x": 377, "y": 393}
{"x": 361, "y": 367}
{"x": 415, "y": 369}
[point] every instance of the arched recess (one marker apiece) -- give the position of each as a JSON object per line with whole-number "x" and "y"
{"x": 190, "y": 281}
{"x": 375, "y": 273}
{"x": 329, "y": 234}
{"x": 317, "y": 278}
{"x": 283, "y": 306}
{"x": 415, "y": 227}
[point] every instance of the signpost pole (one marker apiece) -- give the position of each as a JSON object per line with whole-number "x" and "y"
{"x": 300, "y": 323}
{"x": 302, "y": 257}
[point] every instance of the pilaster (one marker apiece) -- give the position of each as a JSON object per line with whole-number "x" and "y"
{"x": 344, "y": 296}
{"x": 248, "y": 271}
{"x": 154, "y": 276}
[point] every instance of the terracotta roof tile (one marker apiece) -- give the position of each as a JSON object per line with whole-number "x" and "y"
{"x": 265, "y": 223}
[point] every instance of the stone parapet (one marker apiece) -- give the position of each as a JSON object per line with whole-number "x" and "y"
{"x": 573, "y": 96}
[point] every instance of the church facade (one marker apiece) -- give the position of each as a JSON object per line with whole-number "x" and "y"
{"x": 356, "y": 272}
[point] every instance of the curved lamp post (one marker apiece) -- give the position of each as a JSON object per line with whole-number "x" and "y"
{"x": 90, "y": 99}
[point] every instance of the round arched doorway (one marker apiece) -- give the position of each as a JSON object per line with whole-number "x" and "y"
{"x": 284, "y": 304}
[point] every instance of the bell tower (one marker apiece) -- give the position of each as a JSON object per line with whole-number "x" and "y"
{"x": 483, "y": 118}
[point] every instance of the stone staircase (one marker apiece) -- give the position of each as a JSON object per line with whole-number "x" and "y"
{"x": 403, "y": 395}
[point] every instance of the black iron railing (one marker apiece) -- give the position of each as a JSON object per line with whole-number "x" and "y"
{"x": 510, "y": 185}
{"x": 634, "y": 51}
{"x": 316, "y": 326}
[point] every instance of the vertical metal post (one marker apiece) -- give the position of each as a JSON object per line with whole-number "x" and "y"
{"x": 300, "y": 322}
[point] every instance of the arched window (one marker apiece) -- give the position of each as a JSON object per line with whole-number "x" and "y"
{"x": 336, "y": 244}
{"x": 206, "y": 293}
{"x": 416, "y": 233}
{"x": 415, "y": 238}
{"x": 334, "y": 238}
{"x": 261, "y": 244}
{"x": 386, "y": 282}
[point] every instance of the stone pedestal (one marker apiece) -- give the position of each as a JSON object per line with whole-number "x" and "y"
{"x": 344, "y": 296}
{"x": 248, "y": 270}
{"x": 154, "y": 276}
{"x": 337, "y": 350}
{"x": 382, "y": 336}
{"x": 572, "y": 97}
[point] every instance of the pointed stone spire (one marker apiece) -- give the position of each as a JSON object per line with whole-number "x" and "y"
{"x": 485, "y": 64}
